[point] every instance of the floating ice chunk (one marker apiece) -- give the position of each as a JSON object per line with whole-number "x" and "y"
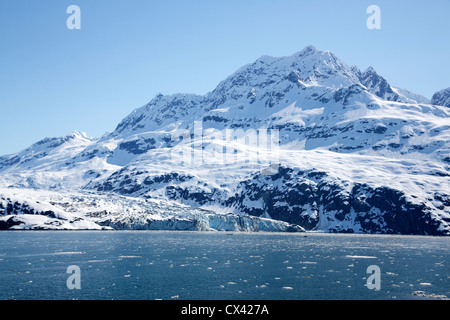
{"x": 64, "y": 253}
{"x": 432, "y": 295}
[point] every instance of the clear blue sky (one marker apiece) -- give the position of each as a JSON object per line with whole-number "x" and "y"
{"x": 54, "y": 80}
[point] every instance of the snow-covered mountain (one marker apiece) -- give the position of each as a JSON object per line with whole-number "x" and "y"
{"x": 303, "y": 141}
{"x": 442, "y": 98}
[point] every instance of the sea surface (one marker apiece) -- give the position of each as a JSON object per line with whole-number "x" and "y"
{"x": 141, "y": 265}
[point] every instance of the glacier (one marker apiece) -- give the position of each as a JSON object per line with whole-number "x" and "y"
{"x": 49, "y": 210}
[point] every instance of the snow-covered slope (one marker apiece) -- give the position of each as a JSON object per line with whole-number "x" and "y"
{"x": 411, "y": 96}
{"x": 348, "y": 152}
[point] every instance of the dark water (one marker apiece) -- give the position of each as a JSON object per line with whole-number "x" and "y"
{"x": 219, "y": 266}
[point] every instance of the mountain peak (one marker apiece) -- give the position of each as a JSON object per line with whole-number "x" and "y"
{"x": 441, "y": 98}
{"x": 370, "y": 70}
{"x": 378, "y": 85}
{"x": 78, "y": 135}
{"x": 266, "y": 59}
{"x": 309, "y": 50}
{"x": 308, "y": 75}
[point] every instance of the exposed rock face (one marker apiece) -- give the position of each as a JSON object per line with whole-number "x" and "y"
{"x": 310, "y": 199}
{"x": 442, "y": 98}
